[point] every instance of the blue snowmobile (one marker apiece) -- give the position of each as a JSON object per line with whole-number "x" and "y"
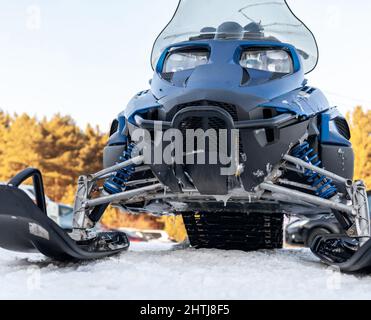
{"x": 230, "y": 135}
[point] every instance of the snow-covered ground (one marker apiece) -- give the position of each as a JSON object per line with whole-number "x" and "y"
{"x": 156, "y": 271}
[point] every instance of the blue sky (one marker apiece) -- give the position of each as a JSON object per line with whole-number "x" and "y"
{"x": 87, "y": 58}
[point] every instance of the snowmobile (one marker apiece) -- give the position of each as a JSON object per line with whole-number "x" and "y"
{"x": 260, "y": 143}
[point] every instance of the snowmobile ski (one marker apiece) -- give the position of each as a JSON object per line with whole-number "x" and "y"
{"x": 343, "y": 252}
{"x": 25, "y": 227}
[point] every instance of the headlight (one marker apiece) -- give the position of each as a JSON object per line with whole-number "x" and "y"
{"x": 185, "y": 59}
{"x": 277, "y": 61}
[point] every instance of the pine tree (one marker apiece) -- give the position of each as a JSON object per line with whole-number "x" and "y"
{"x": 4, "y": 127}
{"x": 360, "y": 124}
{"x": 91, "y": 153}
{"x": 89, "y": 159}
{"x": 22, "y": 147}
{"x": 61, "y": 145}
{"x": 175, "y": 227}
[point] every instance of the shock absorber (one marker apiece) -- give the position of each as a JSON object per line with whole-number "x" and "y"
{"x": 323, "y": 185}
{"x": 117, "y": 183}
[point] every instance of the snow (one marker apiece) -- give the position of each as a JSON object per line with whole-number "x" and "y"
{"x": 157, "y": 271}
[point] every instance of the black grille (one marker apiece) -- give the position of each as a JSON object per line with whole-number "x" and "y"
{"x": 230, "y": 108}
{"x": 343, "y": 127}
{"x": 193, "y": 123}
{"x": 204, "y": 123}
{"x": 217, "y": 123}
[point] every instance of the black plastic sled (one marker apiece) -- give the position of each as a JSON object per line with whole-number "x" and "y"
{"x": 26, "y": 227}
{"x": 343, "y": 253}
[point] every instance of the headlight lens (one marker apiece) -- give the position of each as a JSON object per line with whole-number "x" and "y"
{"x": 181, "y": 60}
{"x": 276, "y": 61}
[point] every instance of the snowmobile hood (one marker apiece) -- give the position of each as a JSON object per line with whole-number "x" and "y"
{"x": 224, "y": 72}
{"x": 249, "y": 20}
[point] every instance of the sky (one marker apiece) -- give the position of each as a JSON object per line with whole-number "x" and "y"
{"x": 87, "y": 58}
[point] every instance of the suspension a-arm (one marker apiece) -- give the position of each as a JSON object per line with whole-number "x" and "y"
{"x": 350, "y": 251}
{"x": 89, "y": 210}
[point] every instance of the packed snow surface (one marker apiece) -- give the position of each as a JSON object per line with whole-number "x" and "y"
{"x": 158, "y": 271}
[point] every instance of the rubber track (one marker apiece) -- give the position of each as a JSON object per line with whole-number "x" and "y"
{"x": 235, "y": 231}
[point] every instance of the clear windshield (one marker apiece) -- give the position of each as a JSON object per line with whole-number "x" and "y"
{"x": 238, "y": 19}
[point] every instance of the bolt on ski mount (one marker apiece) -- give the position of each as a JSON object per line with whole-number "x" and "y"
{"x": 88, "y": 211}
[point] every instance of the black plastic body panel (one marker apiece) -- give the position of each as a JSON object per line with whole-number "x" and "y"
{"x": 262, "y": 155}
{"x": 112, "y": 154}
{"x": 338, "y": 159}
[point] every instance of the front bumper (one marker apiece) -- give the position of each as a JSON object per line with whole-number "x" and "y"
{"x": 262, "y": 143}
{"x": 276, "y": 122}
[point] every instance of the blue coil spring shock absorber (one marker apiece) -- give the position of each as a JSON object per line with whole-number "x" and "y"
{"x": 323, "y": 185}
{"x": 117, "y": 183}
